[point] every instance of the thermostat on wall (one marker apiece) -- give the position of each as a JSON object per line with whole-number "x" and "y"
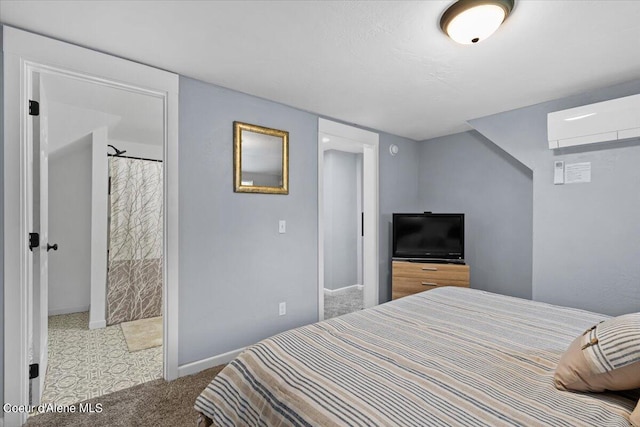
{"x": 558, "y": 172}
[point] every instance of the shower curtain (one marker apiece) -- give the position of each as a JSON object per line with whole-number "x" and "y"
{"x": 134, "y": 276}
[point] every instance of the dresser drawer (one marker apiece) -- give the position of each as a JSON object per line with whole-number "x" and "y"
{"x": 403, "y": 286}
{"x": 419, "y": 270}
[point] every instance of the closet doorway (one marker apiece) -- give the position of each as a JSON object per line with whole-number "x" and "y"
{"x": 347, "y": 219}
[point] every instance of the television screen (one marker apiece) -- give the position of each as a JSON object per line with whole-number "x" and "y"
{"x": 428, "y": 235}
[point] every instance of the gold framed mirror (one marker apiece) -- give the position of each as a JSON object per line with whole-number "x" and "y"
{"x": 260, "y": 159}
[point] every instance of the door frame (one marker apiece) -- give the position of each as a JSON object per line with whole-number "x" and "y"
{"x": 24, "y": 53}
{"x": 353, "y": 139}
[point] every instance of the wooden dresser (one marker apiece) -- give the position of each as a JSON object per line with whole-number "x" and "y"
{"x": 413, "y": 277}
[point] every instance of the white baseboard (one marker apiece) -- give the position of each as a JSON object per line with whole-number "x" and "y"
{"x": 201, "y": 365}
{"x": 333, "y": 291}
{"x": 68, "y": 310}
{"x": 97, "y": 324}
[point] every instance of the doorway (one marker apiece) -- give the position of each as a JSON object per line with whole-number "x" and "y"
{"x": 28, "y": 57}
{"x": 343, "y": 232}
{"x": 348, "y": 219}
{"x": 101, "y": 189}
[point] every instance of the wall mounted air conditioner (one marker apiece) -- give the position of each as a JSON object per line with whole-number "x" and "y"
{"x": 612, "y": 120}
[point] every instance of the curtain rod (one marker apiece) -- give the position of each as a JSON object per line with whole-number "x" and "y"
{"x": 135, "y": 158}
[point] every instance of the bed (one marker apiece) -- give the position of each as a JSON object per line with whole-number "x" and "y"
{"x": 445, "y": 357}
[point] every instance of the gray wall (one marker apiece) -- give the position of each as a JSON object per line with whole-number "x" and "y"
{"x": 341, "y": 222}
{"x": 234, "y": 266}
{"x": 70, "y": 227}
{"x": 586, "y": 237}
{"x": 398, "y": 193}
{"x": 469, "y": 174}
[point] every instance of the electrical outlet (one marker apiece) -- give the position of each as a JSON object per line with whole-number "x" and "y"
{"x": 282, "y": 226}
{"x": 282, "y": 309}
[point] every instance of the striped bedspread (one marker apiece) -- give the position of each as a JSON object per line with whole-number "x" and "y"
{"x": 446, "y": 357}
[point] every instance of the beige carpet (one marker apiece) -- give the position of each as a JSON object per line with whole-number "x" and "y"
{"x": 143, "y": 334}
{"x": 156, "y": 403}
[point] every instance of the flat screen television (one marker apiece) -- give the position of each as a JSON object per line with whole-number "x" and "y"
{"x": 428, "y": 236}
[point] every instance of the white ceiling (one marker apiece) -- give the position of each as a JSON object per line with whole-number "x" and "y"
{"x": 383, "y": 64}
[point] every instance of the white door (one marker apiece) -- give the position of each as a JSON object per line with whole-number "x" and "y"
{"x": 39, "y": 302}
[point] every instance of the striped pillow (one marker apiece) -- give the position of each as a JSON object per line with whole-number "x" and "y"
{"x": 605, "y": 357}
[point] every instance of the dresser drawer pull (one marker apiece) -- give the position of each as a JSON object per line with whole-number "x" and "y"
{"x": 429, "y": 284}
{"x": 429, "y": 269}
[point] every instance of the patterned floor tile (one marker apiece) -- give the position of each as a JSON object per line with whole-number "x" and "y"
{"x": 86, "y": 363}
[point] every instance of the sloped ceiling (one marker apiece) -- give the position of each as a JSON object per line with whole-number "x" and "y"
{"x": 384, "y": 64}
{"x": 77, "y": 108}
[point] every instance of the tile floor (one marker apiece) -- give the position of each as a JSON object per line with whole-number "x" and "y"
{"x": 86, "y": 363}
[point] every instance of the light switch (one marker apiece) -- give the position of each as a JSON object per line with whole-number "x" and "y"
{"x": 282, "y": 226}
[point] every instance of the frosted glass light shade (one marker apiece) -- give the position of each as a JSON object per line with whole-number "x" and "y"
{"x": 471, "y": 21}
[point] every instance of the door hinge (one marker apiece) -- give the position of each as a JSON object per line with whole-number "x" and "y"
{"x": 34, "y": 108}
{"x": 362, "y": 224}
{"x": 34, "y": 240}
{"x": 34, "y": 371}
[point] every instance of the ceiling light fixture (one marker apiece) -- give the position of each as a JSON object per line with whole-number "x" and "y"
{"x": 471, "y": 21}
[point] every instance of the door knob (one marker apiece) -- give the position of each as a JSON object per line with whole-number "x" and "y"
{"x": 54, "y": 247}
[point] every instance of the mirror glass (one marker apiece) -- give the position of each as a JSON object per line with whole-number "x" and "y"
{"x": 261, "y": 159}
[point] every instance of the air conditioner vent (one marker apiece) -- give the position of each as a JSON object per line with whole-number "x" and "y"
{"x": 606, "y": 121}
